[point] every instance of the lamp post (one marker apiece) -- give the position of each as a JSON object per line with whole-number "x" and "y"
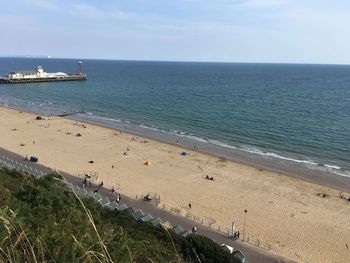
{"x": 245, "y": 215}
{"x": 233, "y": 230}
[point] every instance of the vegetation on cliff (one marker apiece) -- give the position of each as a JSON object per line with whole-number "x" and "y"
{"x": 42, "y": 220}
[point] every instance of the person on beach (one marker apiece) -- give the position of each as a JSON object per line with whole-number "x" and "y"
{"x": 194, "y": 229}
{"x": 84, "y": 182}
{"x": 95, "y": 191}
{"x": 118, "y": 198}
{"x": 100, "y": 184}
{"x": 189, "y": 205}
{"x": 177, "y": 142}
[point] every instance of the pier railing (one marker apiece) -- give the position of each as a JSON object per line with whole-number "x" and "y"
{"x": 213, "y": 225}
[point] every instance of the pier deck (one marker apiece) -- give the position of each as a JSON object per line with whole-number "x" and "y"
{"x": 77, "y": 77}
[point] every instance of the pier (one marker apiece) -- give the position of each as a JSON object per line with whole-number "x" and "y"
{"x": 77, "y": 77}
{"x": 39, "y": 75}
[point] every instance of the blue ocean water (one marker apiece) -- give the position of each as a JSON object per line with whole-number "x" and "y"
{"x": 296, "y": 113}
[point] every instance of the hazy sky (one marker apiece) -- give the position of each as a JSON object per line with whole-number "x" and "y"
{"x": 304, "y": 31}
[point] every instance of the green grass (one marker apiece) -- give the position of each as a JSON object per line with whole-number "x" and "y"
{"x": 42, "y": 220}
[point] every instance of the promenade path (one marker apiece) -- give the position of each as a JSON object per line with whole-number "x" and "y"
{"x": 253, "y": 254}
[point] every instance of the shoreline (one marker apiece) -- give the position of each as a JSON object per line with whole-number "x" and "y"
{"x": 292, "y": 169}
{"x": 338, "y": 182}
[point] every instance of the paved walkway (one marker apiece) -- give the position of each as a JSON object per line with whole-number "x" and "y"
{"x": 253, "y": 254}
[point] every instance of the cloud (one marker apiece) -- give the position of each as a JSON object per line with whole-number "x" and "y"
{"x": 263, "y": 3}
{"x": 87, "y": 10}
{"x": 42, "y": 4}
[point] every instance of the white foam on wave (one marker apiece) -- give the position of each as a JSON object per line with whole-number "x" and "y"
{"x": 333, "y": 166}
{"x": 218, "y": 143}
{"x": 275, "y": 155}
{"x": 193, "y": 137}
{"x": 344, "y": 173}
{"x": 334, "y": 169}
{"x": 188, "y": 136}
{"x": 330, "y": 168}
{"x": 149, "y": 128}
{"x": 97, "y": 117}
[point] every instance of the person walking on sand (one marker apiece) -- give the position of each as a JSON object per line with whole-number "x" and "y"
{"x": 189, "y": 205}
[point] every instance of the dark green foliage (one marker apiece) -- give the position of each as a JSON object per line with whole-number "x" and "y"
{"x": 42, "y": 220}
{"x": 197, "y": 246}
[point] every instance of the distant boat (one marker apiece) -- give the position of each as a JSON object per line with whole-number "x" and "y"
{"x": 39, "y": 75}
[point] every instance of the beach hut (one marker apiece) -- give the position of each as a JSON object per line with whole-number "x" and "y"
{"x": 148, "y": 163}
{"x": 228, "y": 248}
{"x": 239, "y": 255}
{"x": 146, "y": 218}
{"x": 104, "y": 201}
{"x": 122, "y": 207}
{"x": 156, "y": 221}
{"x": 178, "y": 230}
{"x": 138, "y": 215}
{"x": 113, "y": 205}
{"x": 166, "y": 224}
{"x": 130, "y": 211}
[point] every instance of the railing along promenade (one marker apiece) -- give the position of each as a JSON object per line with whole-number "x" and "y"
{"x": 225, "y": 230}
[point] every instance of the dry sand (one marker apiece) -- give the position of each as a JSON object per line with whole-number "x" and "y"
{"x": 282, "y": 210}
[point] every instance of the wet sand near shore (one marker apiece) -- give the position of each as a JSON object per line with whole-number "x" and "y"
{"x": 301, "y": 220}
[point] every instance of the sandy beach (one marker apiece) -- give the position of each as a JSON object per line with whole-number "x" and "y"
{"x": 301, "y": 220}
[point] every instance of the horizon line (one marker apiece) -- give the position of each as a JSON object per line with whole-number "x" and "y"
{"x": 179, "y": 61}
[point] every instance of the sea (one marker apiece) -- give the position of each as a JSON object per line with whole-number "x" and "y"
{"x": 296, "y": 114}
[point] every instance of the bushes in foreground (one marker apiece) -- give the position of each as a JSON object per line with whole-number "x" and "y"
{"x": 41, "y": 220}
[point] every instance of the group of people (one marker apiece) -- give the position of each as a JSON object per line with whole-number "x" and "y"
{"x": 87, "y": 182}
{"x": 209, "y": 178}
{"x": 236, "y": 235}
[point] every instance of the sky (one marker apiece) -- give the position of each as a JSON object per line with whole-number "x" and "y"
{"x": 282, "y": 31}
